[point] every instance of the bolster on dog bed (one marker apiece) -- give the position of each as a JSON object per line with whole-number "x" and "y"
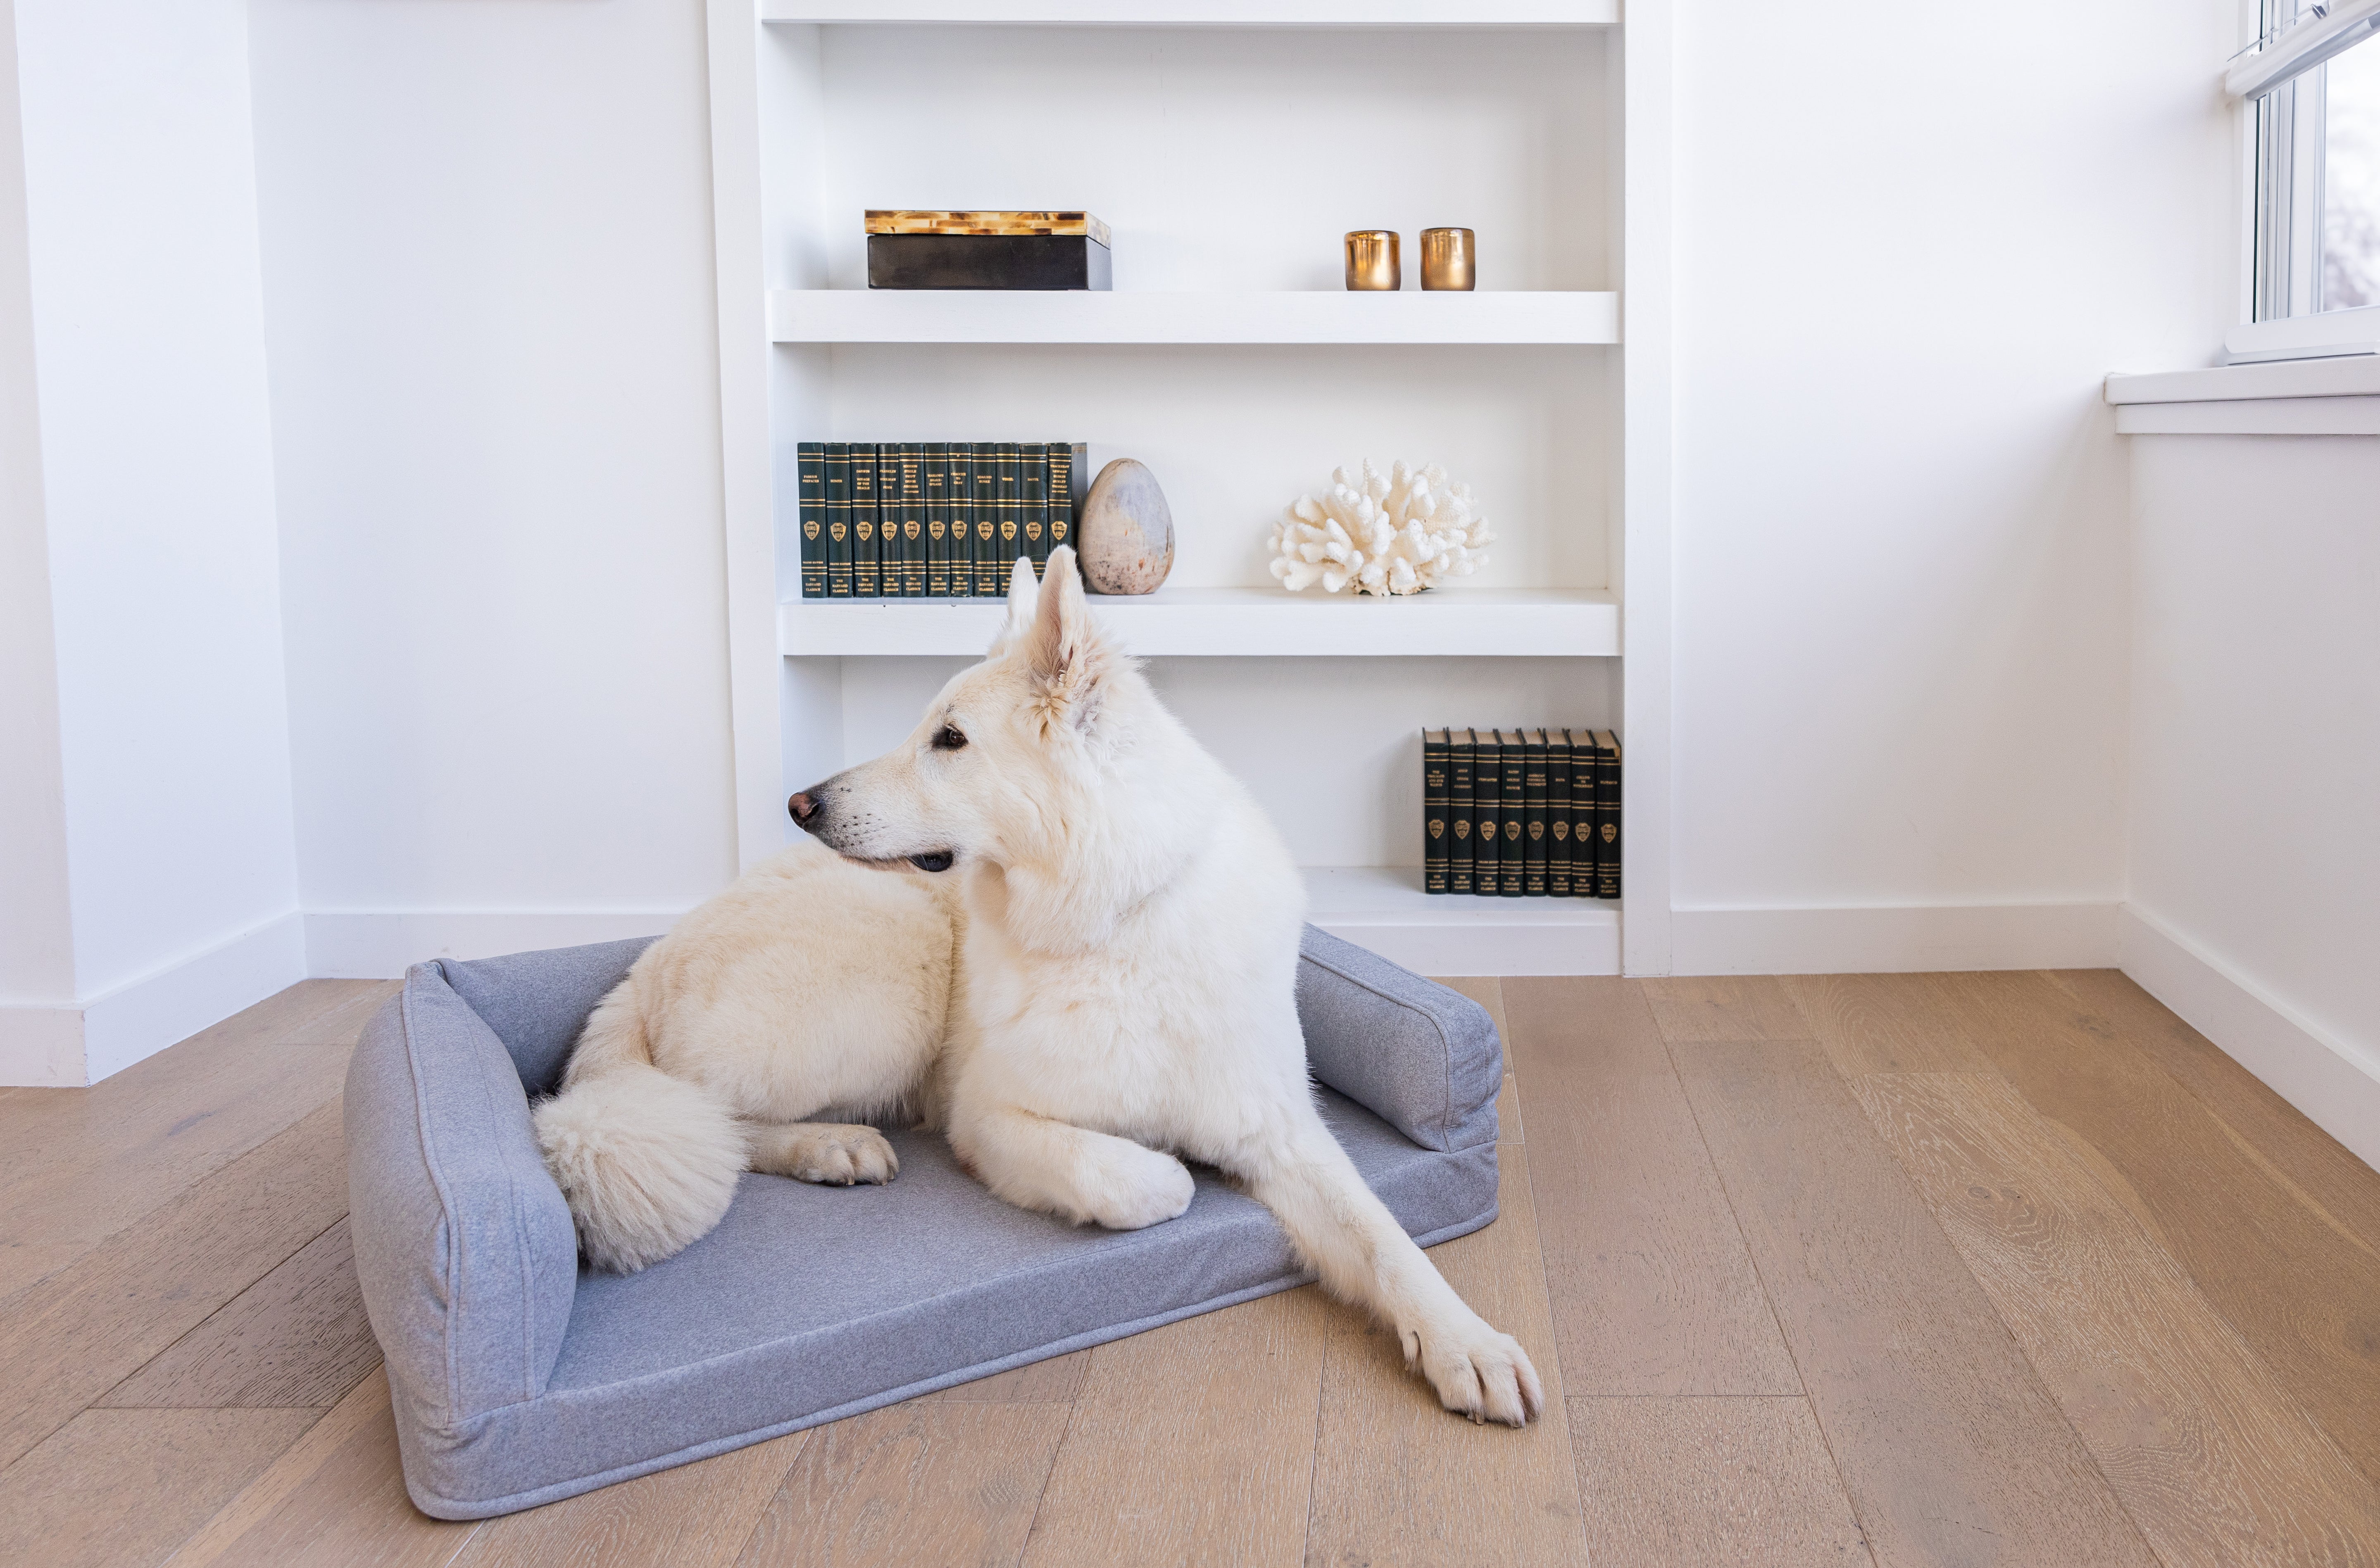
{"x": 519, "y": 1380}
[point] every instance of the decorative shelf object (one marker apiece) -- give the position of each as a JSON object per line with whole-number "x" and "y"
{"x": 1247, "y": 623}
{"x": 963, "y": 316}
{"x": 1211, "y": 13}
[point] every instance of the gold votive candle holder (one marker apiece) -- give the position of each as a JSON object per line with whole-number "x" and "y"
{"x": 1446, "y": 259}
{"x": 1372, "y": 261}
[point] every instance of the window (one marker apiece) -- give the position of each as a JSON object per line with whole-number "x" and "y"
{"x": 2312, "y": 82}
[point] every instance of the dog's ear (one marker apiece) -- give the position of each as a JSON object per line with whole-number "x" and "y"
{"x": 1024, "y": 593}
{"x": 1069, "y": 658}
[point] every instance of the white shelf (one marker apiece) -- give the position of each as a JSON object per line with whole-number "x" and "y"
{"x": 1383, "y": 908}
{"x": 954, "y": 316}
{"x": 1264, "y": 622}
{"x": 1210, "y": 13}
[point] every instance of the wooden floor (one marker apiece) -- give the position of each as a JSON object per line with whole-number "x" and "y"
{"x": 1901, "y": 1268}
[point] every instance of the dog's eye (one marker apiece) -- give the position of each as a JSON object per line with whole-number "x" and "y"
{"x": 948, "y": 738}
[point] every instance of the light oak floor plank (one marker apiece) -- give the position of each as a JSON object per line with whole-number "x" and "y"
{"x": 1746, "y": 1482}
{"x": 1886, "y": 1023}
{"x": 1945, "y": 1438}
{"x": 1707, "y": 1009}
{"x": 125, "y": 1486}
{"x": 2214, "y": 1462}
{"x": 2307, "y": 1302}
{"x": 335, "y": 1500}
{"x": 913, "y": 1483}
{"x": 2340, "y": 1187}
{"x": 1054, "y": 1382}
{"x": 1485, "y": 990}
{"x": 343, "y": 1024}
{"x": 1508, "y": 1112}
{"x": 68, "y": 1339}
{"x": 1400, "y": 1479}
{"x": 1192, "y": 1443}
{"x": 1653, "y": 1292}
{"x": 296, "y": 1337}
{"x": 77, "y": 1166}
{"x": 696, "y": 1515}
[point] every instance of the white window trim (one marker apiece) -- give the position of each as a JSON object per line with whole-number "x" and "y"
{"x": 2314, "y": 39}
{"x": 2299, "y": 397}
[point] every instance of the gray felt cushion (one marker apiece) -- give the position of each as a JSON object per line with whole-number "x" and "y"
{"x": 518, "y": 1379}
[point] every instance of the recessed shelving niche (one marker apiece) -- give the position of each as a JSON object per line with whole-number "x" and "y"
{"x": 1228, "y": 146}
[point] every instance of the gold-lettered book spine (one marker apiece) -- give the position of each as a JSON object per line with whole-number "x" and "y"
{"x": 1460, "y": 753}
{"x": 838, "y": 520}
{"x": 1534, "y": 847}
{"x": 1607, "y": 810}
{"x": 1011, "y": 508}
{"x": 990, "y": 581}
{"x": 961, "y": 519}
{"x": 1435, "y": 797}
{"x": 1487, "y": 813}
{"x": 809, "y": 520}
{"x": 1509, "y": 852}
{"x": 937, "y": 519}
{"x": 864, "y": 582}
{"x": 911, "y": 547}
{"x": 1558, "y": 813}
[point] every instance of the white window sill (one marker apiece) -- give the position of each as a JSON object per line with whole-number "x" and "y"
{"x": 2293, "y": 397}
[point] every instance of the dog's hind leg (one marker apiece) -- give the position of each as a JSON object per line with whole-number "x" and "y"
{"x": 1347, "y": 1235}
{"x": 832, "y": 1154}
{"x": 1035, "y": 1162}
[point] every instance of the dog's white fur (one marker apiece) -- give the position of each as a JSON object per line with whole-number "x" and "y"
{"x": 1125, "y": 996}
{"x": 810, "y": 984}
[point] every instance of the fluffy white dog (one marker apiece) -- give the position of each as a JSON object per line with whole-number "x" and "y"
{"x": 1123, "y": 997}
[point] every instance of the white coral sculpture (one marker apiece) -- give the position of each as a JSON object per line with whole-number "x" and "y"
{"x": 1396, "y": 533}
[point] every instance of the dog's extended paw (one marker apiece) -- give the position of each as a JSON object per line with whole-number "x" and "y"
{"x": 830, "y": 1155}
{"x": 1139, "y": 1187}
{"x": 1477, "y": 1371}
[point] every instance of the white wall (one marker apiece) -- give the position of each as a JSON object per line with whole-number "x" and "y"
{"x": 36, "y": 927}
{"x": 2255, "y": 756}
{"x": 1906, "y": 254}
{"x": 487, "y": 245}
{"x": 154, "y": 487}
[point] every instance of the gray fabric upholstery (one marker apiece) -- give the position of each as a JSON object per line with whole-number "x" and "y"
{"x": 518, "y": 1379}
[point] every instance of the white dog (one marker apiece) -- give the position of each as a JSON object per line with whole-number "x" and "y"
{"x": 1125, "y": 996}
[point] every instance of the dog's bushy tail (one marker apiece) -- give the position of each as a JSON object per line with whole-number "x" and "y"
{"x": 648, "y": 1162}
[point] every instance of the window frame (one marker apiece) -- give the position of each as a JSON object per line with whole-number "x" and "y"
{"x": 2284, "y": 146}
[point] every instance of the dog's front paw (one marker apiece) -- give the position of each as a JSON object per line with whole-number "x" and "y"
{"x": 826, "y": 1154}
{"x": 1477, "y": 1371}
{"x": 1139, "y": 1187}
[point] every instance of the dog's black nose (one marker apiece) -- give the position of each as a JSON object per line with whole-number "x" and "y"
{"x": 802, "y": 805}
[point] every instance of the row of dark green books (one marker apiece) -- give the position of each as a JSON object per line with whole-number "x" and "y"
{"x": 1521, "y": 813}
{"x": 932, "y": 519}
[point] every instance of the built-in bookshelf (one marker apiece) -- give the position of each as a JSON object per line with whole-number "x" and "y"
{"x": 1229, "y": 147}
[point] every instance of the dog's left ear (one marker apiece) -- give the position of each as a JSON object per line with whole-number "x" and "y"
{"x": 1068, "y": 657}
{"x": 1023, "y": 591}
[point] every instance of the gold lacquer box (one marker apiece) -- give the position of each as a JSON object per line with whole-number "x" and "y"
{"x": 1013, "y": 251}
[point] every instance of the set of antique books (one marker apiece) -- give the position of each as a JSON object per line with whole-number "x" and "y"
{"x": 932, "y": 519}
{"x": 1521, "y": 813}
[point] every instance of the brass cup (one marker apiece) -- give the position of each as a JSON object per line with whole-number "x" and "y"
{"x": 1372, "y": 261}
{"x": 1446, "y": 259}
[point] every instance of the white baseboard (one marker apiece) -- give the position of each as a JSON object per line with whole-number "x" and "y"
{"x": 2333, "y": 1081}
{"x": 383, "y": 944}
{"x": 1457, "y": 949}
{"x": 41, "y": 1045}
{"x": 75, "y": 1044}
{"x": 1874, "y": 941}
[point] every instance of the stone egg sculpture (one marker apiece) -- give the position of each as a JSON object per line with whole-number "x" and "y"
{"x": 1124, "y": 541}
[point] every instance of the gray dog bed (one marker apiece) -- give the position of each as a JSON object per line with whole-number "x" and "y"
{"x": 518, "y": 1379}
